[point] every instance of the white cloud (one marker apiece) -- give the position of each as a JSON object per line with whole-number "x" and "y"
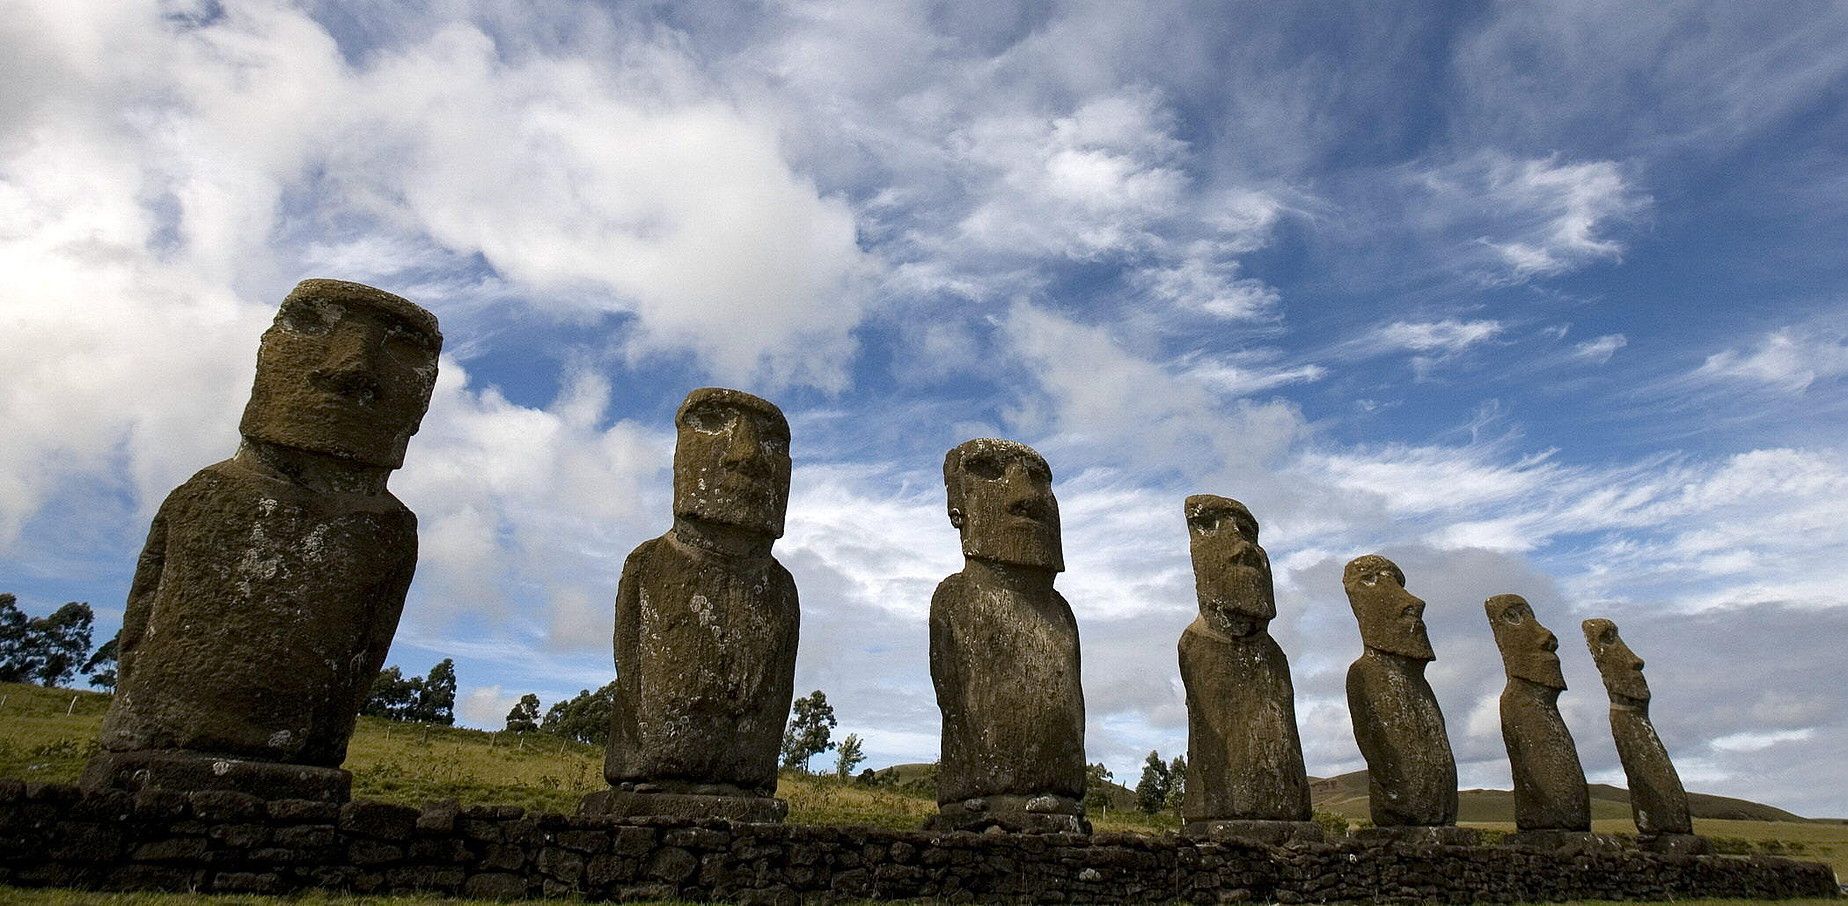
{"x": 485, "y": 706}
{"x": 1789, "y": 359}
{"x": 1601, "y": 349}
{"x": 1536, "y": 217}
{"x": 1445, "y": 337}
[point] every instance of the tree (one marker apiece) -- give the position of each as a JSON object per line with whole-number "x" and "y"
{"x": 436, "y": 701}
{"x": 584, "y": 717}
{"x": 810, "y": 719}
{"x": 1097, "y": 788}
{"x": 848, "y": 756}
{"x": 393, "y": 696}
{"x": 524, "y": 718}
{"x": 1152, "y": 789}
{"x": 12, "y": 641}
{"x": 423, "y": 699}
{"x": 102, "y": 665}
{"x": 46, "y": 650}
{"x": 1177, "y": 782}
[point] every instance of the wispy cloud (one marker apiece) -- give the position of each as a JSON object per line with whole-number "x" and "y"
{"x": 1533, "y": 217}
{"x": 1790, "y": 359}
{"x": 1600, "y": 349}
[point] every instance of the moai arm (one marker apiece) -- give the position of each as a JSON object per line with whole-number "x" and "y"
{"x": 141, "y": 591}
{"x": 385, "y": 619}
{"x": 627, "y": 647}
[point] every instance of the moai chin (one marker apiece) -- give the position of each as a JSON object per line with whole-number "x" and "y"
{"x": 266, "y": 597}
{"x": 1412, "y": 785}
{"x": 1004, "y": 652}
{"x": 706, "y": 623}
{"x": 1245, "y": 775}
{"x": 1552, "y": 806}
{"x": 1657, "y": 800}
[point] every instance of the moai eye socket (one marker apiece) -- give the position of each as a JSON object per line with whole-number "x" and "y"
{"x": 1513, "y": 616}
{"x": 987, "y": 468}
{"x": 707, "y": 420}
{"x": 1204, "y": 523}
{"x": 773, "y": 442}
{"x": 313, "y": 317}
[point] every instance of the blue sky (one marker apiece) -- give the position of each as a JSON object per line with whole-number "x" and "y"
{"x": 1542, "y": 299}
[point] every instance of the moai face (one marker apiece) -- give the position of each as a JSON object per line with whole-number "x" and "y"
{"x": 731, "y": 461}
{"x": 1232, "y": 574}
{"x": 1000, "y": 498}
{"x": 1391, "y": 618}
{"x": 1528, "y": 650}
{"x": 1621, "y": 668}
{"x": 345, "y": 370}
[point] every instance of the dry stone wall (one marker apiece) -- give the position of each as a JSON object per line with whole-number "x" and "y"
{"x": 232, "y": 842}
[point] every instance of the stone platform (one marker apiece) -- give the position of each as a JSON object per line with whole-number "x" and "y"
{"x": 228, "y": 842}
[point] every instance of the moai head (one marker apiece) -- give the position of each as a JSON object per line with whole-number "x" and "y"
{"x": 346, "y": 370}
{"x": 731, "y": 461}
{"x": 1621, "y": 668}
{"x": 1232, "y": 574}
{"x": 1528, "y": 650}
{"x": 1000, "y": 497}
{"x": 1391, "y": 618}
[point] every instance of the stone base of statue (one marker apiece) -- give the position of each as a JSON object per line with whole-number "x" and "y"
{"x": 183, "y": 771}
{"x": 1276, "y": 833}
{"x": 1678, "y": 844}
{"x": 1447, "y": 835}
{"x": 1018, "y": 814}
{"x": 744, "y": 809}
{"x": 1564, "y": 841}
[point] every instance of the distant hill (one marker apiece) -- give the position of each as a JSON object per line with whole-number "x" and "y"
{"x": 1346, "y": 795}
{"x": 920, "y": 777}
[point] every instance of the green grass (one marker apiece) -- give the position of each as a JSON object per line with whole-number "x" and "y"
{"x": 45, "y": 737}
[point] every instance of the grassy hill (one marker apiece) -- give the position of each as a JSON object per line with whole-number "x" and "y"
{"x": 48, "y": 734}
{"x": 1346, "y": 795}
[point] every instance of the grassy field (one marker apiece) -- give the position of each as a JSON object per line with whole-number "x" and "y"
{"x": 47, "y": 734}
{"x": 44, "y": 736}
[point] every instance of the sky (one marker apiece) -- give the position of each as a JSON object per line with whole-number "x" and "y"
{"x": 1543, "y": 299}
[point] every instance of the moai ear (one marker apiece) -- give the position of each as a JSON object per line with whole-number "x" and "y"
{"x": 956, "y": 517}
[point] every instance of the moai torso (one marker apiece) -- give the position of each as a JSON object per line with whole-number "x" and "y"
{"x": 706, "y": 619}
{"x": 1005, "y": 664}
{"x": 1397, "y": 724}
{"x": 260, "y": 615}
{"x": 269, "y": 589}
{"x": 1003, "y": 644}
{"x": 705, "y": 668}
{"x": 1549, "y": 782}
{"x": 1657, "y": 799}
{"x": 1244, "y": 757}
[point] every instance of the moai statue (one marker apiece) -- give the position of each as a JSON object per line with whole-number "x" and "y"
{"x": 1245, "y": 774}
{"x": 1552, "y": 806}
{"x": 269, "y": 589}
{"x": 1657, "y": 799}
{"x": 1412, "y": 786}
{"x": 706, "y": 626}
{"x": 1004, "y": 652}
